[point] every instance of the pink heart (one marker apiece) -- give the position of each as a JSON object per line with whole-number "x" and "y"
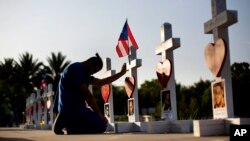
{"x": 129, "y": 86}
{"x": 163, "y": 71}
{"x": 105, "y": 90}
{"x": 215, "y": 55}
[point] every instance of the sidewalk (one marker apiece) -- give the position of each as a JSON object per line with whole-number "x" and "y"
{"x": 17, "y": 134}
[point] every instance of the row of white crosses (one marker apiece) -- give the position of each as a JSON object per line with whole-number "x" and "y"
{"x": 132, "y": 66}
{"x": 166, "y": 50}
{"x": 39, "y": 106}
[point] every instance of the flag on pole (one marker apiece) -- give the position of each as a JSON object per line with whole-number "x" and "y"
{"x": 125, "y": 41}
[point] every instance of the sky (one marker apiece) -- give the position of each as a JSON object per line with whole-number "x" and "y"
{"x": 80, "y": 28}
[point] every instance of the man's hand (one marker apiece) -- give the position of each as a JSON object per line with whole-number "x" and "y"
{"x": 124, "y": 69}
{"x": 104, "y": 119}
{"x": 110, "y": 79}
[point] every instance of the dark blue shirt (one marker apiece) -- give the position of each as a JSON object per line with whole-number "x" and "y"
{"x": 70, "y": 97}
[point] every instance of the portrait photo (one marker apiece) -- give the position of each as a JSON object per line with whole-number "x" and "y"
{"x": 106, "y": 109}
{"x": 218, "y": 94}
{"x": 131, "y": 106}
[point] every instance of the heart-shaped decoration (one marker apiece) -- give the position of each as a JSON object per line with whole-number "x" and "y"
{"x": 163, "y": 71}
{"x": 130, "y": 86}
{"x": 105, "y": 90}
{"x": 215, "y": 55}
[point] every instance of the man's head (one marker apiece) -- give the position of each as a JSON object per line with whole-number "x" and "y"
{"x": 95, "y": 64}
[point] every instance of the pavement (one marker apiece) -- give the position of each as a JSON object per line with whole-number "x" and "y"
{"x": 19, "y": 134}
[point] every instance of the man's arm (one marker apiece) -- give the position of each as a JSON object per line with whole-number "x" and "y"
{"x": 89, "y": 98}
{"x": 91, "y": 101}
{"x": 110, "y": 79}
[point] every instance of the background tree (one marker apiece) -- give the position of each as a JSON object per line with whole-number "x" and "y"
{"x": 193, "y": 102}
{"x": 120, "y": 100}
{"x": 57, "y": 63}
{"x": 28, "y": 71}
{"x": 12, "y": 89}
{"x": 241, "y": 91}
{"x": 8, "y": 70}
{"x": 149, "y": 96}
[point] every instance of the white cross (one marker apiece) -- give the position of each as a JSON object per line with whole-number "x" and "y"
{"x": 110, "y": 72}
{"x": 133, "y": 61}
{"x": 168, "y": 44}
{"x": 222, "y": 18}
{"x": 218, "y": 26}
{"x": 132, "y": 66}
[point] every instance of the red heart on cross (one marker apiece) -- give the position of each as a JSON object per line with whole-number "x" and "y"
{"x": 129, "y": 86}
{"x": 215, "y": 55}
{"x": 163, "y": 71}
{"x": 105, "y": 90}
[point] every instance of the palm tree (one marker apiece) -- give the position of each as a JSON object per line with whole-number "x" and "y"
{"x": 28, "y": 69}
{"x": 57, "y": 64}
{"x": 8, "y": 70}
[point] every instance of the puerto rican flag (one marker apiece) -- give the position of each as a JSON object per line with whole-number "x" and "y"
{"x": 125, "y": 41}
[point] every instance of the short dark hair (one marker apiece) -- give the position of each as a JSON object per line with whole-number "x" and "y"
{"x": 96, "y": 60}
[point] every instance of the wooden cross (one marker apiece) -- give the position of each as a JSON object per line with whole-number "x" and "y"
{"x": 218, "y": 26}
